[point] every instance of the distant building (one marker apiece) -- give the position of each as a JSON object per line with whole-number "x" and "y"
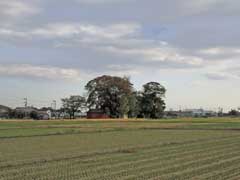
{"x": 33, "y": 113}
{"x": 200, "y": 113}
{"x": 43, "y": 115}
{"x": 172, "y": 114}
{"x": 80, "y": 114}
{"x": 190, "y": 113}
{"x": 4, "y": 111}
{"x": 25, "y": 112}
{"x": 97, "y": 114}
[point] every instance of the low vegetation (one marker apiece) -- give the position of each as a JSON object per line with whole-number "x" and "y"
{"x": 120, "y": 149}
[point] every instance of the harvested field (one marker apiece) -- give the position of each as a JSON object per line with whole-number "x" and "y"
{"x": 162, "y": 149}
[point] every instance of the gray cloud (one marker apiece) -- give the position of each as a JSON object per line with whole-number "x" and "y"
{"x": 217, "y": 76}
{"x": 115, "y": 33}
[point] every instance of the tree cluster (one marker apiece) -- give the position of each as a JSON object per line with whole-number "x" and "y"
{"x": 234, "y": 113}
{"x": 73, "y": 104}
{"x": 116, "y": 97}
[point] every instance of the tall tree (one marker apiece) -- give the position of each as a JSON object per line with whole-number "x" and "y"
{"x": 106, "y": 93}
{"x": 73, "y": 104}
{"x": 134, "y": 102}
{"x": 152, "y": 102}
{"x": 124, "y": 106}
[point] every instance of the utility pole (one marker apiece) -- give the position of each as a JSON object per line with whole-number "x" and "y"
{"x": 180, "y": 108}
{"x": 220, "y": 111}
{"x": 25, "y": 102}
{"x": 54, "y": 104}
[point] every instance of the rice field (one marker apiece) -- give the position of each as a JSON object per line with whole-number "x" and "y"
{"x": 118, "y": 149}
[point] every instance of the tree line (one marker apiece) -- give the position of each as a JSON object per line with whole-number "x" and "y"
{"x": 117, "y": 98}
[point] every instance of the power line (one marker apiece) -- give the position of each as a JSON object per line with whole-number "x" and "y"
{"x": 29, "y": 101}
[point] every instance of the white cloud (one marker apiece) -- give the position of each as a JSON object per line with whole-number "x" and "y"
{"x": 45, "y": 72}
{"x": 200, "y": 5}
{"x": 164, "y": 54}
{"x": 117, "y": 39}
{"x": 123, "y": 39}
{"x": 12, "y": 34}
{"x": 211, "y": 51}
{"x": 220, "y": 51}
{"x": 16, "y": 8}
{"x": 123, "y": 70}
{"x": 126, "y": 39}
{"x": 225, "y": 69}
{"x": 75, "y": 30}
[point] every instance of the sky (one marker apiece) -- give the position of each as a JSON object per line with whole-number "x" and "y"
{"x": 49, "y": 49}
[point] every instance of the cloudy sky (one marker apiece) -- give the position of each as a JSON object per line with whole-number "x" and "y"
{"x": 49, "y": 49}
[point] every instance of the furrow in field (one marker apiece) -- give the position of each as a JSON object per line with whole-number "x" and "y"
{"x": 147, "y": 156}
{"x": 222, "y": 168}
{"x": 135, "y": 168}
{"x": 82, "y": 155}
{"x": 235, "y": 178}
{"x": 149, "y": 171}
{"x": 179, "y": 173}
{"x": 194, "y": 171}
{"x": 231, "y": 174}
{"x": 219, "y": 173}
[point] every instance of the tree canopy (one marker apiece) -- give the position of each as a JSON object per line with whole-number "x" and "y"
{"x": 152, "y": 103}
{"x": 110, "y": 94}
{"x": 107, "y": 96}
{"x": 73, "y": 104}
{"x": 116, "y": 97}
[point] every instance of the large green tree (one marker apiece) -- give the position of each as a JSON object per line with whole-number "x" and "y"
{"x": 124, "y": 106}
{"x": 152, "y": 103}
{"x": 73, "y": 104}
{"x": 134, "y": 102}
{"x": 110, "y": 94}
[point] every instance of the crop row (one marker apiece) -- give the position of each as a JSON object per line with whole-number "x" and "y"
{"x": 153, "y": 161}
{"x": 75, "y": 152}
{"x": 175, "y": 149}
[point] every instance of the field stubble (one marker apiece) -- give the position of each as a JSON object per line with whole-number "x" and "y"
{"x": 124, "y": 150}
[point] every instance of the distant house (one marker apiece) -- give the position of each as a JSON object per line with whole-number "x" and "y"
{"x": 97, "y": 114}
{"x": 80, "y": 115}
{"x": 43, "y": 115}
{"x": 200, "y": 113}
{"x": 4, "y": 111}
{"x": 190, "y": 113}
{"x": 25, "y": 112}
{"x": 32, "y": 113}
{"x": 172, "y": 114}
{"x": 46, "y": 113}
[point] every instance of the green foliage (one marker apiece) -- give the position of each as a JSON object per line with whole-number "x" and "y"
{"x": 124, "y": 106}
{"x": 109, "y": 93}
{"x": 73, "y": 104}
{"x": 134, "y": 105}
{"x": 152, "y": 102}
{"x": 115, "y": 96}
{"x": 234, "y": 112}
